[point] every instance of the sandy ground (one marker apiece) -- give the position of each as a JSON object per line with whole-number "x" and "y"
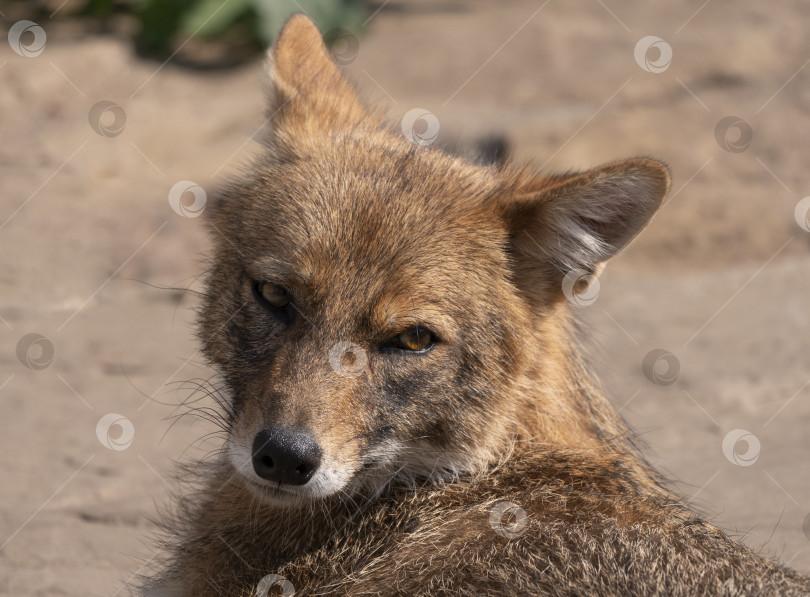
{"x": 720, "y": 280}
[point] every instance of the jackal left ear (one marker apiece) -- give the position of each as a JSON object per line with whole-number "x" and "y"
{"x": 577, "y": 222}
{"x": 307, "y": 92}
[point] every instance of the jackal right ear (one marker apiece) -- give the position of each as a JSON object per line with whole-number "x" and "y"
{"x": 576, "y": 222}
{"x": 307, "y": 94}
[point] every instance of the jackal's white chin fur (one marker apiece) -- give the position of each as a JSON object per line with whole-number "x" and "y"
{"x": 395, "y": 463}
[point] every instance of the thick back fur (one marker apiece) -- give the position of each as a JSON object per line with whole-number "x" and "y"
{"x": 368, "y": 236}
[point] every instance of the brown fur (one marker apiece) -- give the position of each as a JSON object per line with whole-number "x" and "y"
{"x": 371, "y": 235}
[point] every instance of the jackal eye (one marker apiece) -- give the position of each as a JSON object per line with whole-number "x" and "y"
{"x": 415, "y": 339}
{"x": 273, "y": 294}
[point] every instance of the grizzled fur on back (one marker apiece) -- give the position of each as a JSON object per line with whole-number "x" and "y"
{"x": 342, "y": 239}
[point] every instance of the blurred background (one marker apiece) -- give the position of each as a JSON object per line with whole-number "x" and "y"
{"x": 116, "y": 117}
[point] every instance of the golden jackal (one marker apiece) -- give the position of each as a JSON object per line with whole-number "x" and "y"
{"x": 405, "y": 407}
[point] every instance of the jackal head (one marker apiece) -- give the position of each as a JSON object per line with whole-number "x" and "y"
{"x": 381, "y": 311}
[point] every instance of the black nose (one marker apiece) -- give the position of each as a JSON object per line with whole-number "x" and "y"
{"x": 286, "y": 456}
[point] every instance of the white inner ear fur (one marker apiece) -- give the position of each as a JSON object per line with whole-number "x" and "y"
{"x": 589, "y": 224}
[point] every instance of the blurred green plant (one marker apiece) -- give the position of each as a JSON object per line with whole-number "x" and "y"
{"x": 162, "y": 23}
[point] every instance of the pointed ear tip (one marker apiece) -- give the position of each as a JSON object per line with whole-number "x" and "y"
{"x": 299, "y": 20}
{"x": 298, "y": 44}
{"x": 662, "y": 175}
{"x": 299, "y": 31}
{"x": 657, "y": 171}
{"x": 298, "y": 25}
